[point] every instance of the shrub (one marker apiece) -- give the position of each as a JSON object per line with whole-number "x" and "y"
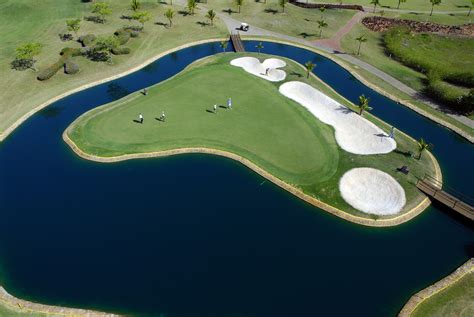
{"x": 95, "y": 19}
{"x": 87, "y": 40}
{"x": 70, "y": 68}
{"x": 123, "y": 36}
{"x": 71, "y": 52}
{"x": 50, "y": 71}
{"x": 22, "y": 64}
{"x": 134, "y": 34}
{"x": 454, "y": 97}
{"x": 135, "y": 28}
{"x": 121, "y": 51}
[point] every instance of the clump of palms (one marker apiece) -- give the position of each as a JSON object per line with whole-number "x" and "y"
{"x": 211, "y": 15}
{"x": 361, "y": 39}
{"x": 321, "y": 24}
{"x": 434, "y": 3}
{"x": 363, "y": 104}
{"x": 135, "y": 5}
{"x": 192, "y": 4}
{"x": 309, "y": 67}
{"x": 422, "y": 146}
{"x": 223, "y": 45}
{"x": 259, "y": 47}
{"x": 169, "y": 14}
{"x": 375, "y": 3}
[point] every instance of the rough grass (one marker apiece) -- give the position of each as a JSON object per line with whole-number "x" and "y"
{"x": 272, "y": 131}
{"x": 295, "y": 21}
{"x": 456, "y": 300}
{"x": 25, "y": 20}
{"x": 7, "y": 312}
{"x": 419, "y": 5}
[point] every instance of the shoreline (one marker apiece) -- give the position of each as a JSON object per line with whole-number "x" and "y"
{"x": 24, "y": 306}
{"x": 388, "y": 222}
{"x": 437, "y": 287}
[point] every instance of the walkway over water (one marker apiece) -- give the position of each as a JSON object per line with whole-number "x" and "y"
{"x": 237, "y": 42}
{"x": 449, "y": 197}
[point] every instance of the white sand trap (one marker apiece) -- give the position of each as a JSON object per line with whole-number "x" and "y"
{"x": 353, "y": 133}
{"x": 253, "y": 66}
{"x": 372, "y": 191}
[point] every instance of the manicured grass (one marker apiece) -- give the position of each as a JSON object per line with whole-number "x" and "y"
{"x": 25, "y": 20}
{"x": 294, "y": 21}
{"x": 456, "y": 300}
{"x": 270, "y": 130}
{"x": 7, "y": 312}
{"x": 419, "y": 5}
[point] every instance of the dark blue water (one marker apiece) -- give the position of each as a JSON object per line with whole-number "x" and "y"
{"x": 198, "y": 235}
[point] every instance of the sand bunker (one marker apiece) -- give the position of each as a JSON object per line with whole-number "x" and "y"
{"x": 372, "y": 191}
{"x": 252, "y": 65}
{"x": 353, "y": 133}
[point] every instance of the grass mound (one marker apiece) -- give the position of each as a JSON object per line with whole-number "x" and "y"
{"x": 272, "y": 131}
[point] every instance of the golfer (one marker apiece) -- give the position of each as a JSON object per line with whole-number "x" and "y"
{"x": 229, "y": 103}
{"x": 163, "y": 116}
{"x": 145, "y": 91}
{"x": 140, "y": 118}
{"x": 215, "y": 108}
{"x": 266, "y": 71}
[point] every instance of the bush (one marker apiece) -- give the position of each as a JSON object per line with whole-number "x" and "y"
{"x": 123, "y": 36}
{"x": 121, "y": 51}
{"x": 134, "y": 34}
{"x": 22, "y": 64}
{"x": 87, "y": 40}
{"x": 454, "y": 97}
{"x": 71, "y": 52}
{"x": 70, "y": 68}
{"x": 95, "y": 19}
{"x": 65, "y": 37}
{"x": 50, "y": 71}
{"x": 135, "y": 28}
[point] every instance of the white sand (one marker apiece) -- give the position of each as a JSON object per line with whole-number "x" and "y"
{"x": 253, "y": 66}
{"x": 353, "y": 133}
{"x": 372, "y": 191}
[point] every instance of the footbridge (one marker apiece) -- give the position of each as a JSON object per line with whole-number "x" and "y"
{"x": 237, "y": 42}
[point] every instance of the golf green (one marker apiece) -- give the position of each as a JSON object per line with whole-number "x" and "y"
{"x": 263, "y": 126}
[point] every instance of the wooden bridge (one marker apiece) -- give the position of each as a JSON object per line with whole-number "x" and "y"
{"x": 237, "y": 42}
{"x": 449, "y": 197}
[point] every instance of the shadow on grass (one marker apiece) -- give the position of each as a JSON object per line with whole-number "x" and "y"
{"x": 306, "y": 35}
{"x": 272, "y": 11}
{"x": 293, "y": 73}
{"x": 229, "y": 11}
{"x": 162, "y": 24}
{"x": 203, "y": 23}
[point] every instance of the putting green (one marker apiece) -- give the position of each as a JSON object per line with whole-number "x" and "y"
{"x": 271, "y": 131}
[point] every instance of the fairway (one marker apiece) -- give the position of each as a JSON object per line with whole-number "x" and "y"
{"x": 264, "y": 127}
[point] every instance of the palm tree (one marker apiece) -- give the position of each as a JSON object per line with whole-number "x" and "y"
{"x": 239, "y": 3}
{"x": 169, "y": 14}
{"x": 375, "y": 3}
{"x": 142, "y": 17}
{"x": 135, "y": 5}
{"x": 322, "y": 9}
{"x": 470, "y": 8}
{"x": 223, "y": 45}
{"x": 282, "y": 4}
{"x": 422, "y": 145}
{"x": 434, "y": 3}
{"x": 192, "y": 4}
{"x": 400, "y": 1}
{"x": 363, "y": 104}
{"x": 259, "y": 47}
{"x": 309, "y": 67}
{"x": 321, "y": 24}
{"x": 361, "y": 39}
{"x": 211, "y": 14}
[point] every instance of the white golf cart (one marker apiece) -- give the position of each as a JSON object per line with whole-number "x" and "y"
{"x": 244, "y": 27}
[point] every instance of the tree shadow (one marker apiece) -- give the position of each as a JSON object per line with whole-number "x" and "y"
{"x": 136, "y": 121}
{"x": 229, "y": 11}
{"x": 126, "y": 17}
{"x": 184, "y": 13}
{"x": 202, "y": 23}
{"x": 162, "y": 24}
{"x": 293, "y": 73}
{"x": 272, "y": 11}
{"x": 305, "y": 35}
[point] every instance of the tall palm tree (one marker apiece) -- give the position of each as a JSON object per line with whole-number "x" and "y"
{"x": 192, "y": 4}
{"x": 321, "y": 24}
{"x": 239, "y": 3}
{"x": 363, "y": 104}
{"x": 434, "y": 3}
{"x": 422, "y": 146}
{"x": 322, "y": 9}
{"x": 309, "y": 67}
{"x": 361, "y": 39}
{"x": 259, "y": 47}
{"x": 282, "y": 4}
{"x": 211, "y": 14}
{"x": 169, "y": 14}
{"x": 223, "y": 45}
{"x": 375, "y": 3}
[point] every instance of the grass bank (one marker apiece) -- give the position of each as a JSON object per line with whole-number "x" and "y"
{"x": 271, "y": 131}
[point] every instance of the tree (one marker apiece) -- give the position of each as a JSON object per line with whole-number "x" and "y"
{"x": 422, "y": 146}
{"x": 192, "y": 4}
{"x": 282, "y": 4}
{"x": 142, "y": 17}
{"x": 135, "y": 5}
{"x": 309, "y": 67}
{"x": 24, "y": 55}
{"x": 211, "y": 15}
{"x": 169, "y": 14}
{"x": 434, "y": 3}
{"x": 363, "y": 104}
{"x": 322, "y": 9}
{"x": 239, "y": 3}
{"x": 375, "y": 3}
{"x": 470, "y": 8}
{"x": 73, "y": 25}
{"x": 400, "y": 1}
{"x": 223, "y": 45}
{"x": 259, "y": 47}
{"x": 361, "y": 39}
{"x": 107, "y": 44}
{"x": 102, "y": 9}
{"x": 321, "y": 24}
